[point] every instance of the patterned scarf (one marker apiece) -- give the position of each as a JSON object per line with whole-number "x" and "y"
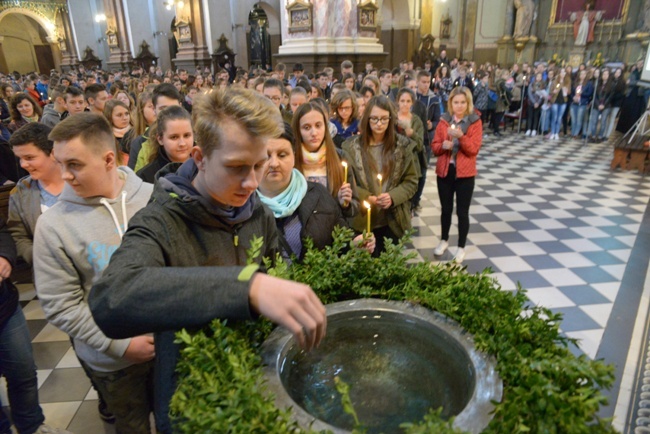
{"x": 313, "y": 161}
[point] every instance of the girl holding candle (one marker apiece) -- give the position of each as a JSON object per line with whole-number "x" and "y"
{"x": 561, "y": 87}
{"x": 411, "y": 126}
{"x": 378, "y": 149}
{"x": 583, "y": 90}
{"x": 318, "y": 159}
{"x": 456, "y": 143}
{"x": 302, "y": 209}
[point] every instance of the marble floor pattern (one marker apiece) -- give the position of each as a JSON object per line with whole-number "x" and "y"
{"x": 548, "y": 215}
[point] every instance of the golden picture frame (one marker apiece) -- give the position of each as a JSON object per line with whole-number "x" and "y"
{"x": 300, "y": 16}
{"x": 367, "y": 16}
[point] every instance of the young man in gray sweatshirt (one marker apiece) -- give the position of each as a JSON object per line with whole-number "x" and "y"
{"x": 73, "y": 244}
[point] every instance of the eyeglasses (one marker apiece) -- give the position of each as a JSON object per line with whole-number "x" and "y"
{"x": 374, "y": 120}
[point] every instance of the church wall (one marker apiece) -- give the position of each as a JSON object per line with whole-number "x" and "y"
{"x": 440, "y": 9}
{"x": 18, "y": 45}
{"x": 88, "y": 31}
{"x": 489, "y": 29}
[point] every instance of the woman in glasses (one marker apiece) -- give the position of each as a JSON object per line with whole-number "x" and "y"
{"x": 456, "y": 143}
{"x": 383, "y": 166}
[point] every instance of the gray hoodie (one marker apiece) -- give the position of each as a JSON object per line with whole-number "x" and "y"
{"x": 73, "y": 244}
{"x": 50, "y": 116}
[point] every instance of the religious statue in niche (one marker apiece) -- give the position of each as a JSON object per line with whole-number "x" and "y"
{"x": 584, "y": 23}
{"x": 646, "y": 16}
{"x": 524, "y": 20}
{"x": 111, "y": 37}
{"x": 445, "y": 26}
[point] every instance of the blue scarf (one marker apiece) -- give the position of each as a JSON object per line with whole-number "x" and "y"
{"x": 287, "y": 202}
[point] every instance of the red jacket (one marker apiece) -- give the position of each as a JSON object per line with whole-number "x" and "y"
{"x": 36, "y": 96}
{"x": 470, "y": 144}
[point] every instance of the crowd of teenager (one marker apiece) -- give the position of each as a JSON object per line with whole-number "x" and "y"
{"x": 145, "y": 188}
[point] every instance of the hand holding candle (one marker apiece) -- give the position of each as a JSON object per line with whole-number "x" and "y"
{"x": 367, "y": 205}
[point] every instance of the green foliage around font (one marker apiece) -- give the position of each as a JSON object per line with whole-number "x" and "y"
{"x": 546, "y": 389}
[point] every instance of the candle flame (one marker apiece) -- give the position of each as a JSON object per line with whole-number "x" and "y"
{"x": 366, "y": 204}
{"x": 379, "y": 177}
{"x": 344, "y": 163}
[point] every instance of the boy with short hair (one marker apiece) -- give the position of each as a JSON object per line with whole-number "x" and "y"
{"x": 184, "y": 256}
{"x": 96, "y": 97}
{"x": 73, "y": 243}
{"x": 74, "y": 100}
{"x": 54, "y": 112}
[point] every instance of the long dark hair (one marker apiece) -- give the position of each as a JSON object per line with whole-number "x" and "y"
{"x": 390, "y": 136}
{"x": 332, "y": 161}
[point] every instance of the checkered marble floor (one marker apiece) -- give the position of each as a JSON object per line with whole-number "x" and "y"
{"x": 549, "y": 215}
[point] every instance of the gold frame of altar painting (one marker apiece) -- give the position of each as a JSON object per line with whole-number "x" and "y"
{"x": 111, "y": 38}
{"x": 300, "y": 16}
{"x": 367, "y": 16}
{"x": 624, "y": 11}
{"x": 184, "y": 30}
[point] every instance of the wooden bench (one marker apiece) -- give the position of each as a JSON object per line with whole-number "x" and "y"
{"x": 634, "y": 150}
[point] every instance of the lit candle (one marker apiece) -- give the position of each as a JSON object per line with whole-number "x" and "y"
{"x": 345, "y": 171}
{"x": 379, "y": 177}
{"x": 367, "y": 205}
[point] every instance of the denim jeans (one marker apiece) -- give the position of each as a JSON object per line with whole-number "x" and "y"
{"x": 557, "y": 110}
{"x": 545, "y": 120}
{"x": 612, "y": 121}
{"x": 18, "y": 367}
{"x": 577, "y": 118}
{"x": 604, "y": 122}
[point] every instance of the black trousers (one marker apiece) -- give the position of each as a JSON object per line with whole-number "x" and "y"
{"x": 463, "y": 188}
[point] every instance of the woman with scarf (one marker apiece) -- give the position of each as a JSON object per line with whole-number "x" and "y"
{"x": 383, "y": 164}
{"x": 317, "y": 157}
{"x": 302, "y": 209}
{"x": 23, "y": 111}
{"x": 118, "y": 115}
{"x": 456, "y": 143}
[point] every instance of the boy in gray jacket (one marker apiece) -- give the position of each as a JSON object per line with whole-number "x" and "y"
{"x": 73, "y": 243}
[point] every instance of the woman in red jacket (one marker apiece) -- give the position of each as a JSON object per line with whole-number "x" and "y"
{"x": 456, "y": 143}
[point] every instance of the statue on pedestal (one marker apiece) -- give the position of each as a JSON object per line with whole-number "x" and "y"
{"x": 584, "y": 24}
{"x": 525, "y": 11}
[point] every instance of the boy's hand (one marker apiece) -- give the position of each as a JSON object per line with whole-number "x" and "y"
{"x": 292, "y": 305}
{"x": 140, "y": 349}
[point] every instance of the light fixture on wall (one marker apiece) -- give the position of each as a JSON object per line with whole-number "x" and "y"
{"x": 100, "y": 17}
{"x": 169, "y": 4}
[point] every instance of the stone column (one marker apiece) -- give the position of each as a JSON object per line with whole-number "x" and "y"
{"x": 3, "y": 61}
{"x": 192, "y": 48}
{"x": 68, "y": 47}
{"x": 335, "y": 35}
{"x": 121, "y": 49}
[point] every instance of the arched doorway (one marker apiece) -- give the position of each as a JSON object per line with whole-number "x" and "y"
{"x": 259, "y": 40}
{"x": 25, "y": 46}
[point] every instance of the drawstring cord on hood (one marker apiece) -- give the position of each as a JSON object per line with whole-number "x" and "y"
{"x": 104, "y": 202}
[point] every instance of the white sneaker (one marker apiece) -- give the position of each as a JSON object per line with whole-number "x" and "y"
{"x": 534, "y": 133}
{"x": 459, "y": 256}
{"x": 441, "y": 248}
{"x": 528, "y": 132}
{"x": 46, "y": 429}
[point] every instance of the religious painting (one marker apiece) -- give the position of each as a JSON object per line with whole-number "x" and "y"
{"x": 300, "y": 16}
{"x": 184, "y": 31}
{"x": 367, "y": 15}
{"x": 611, "y": 9}
{"x": 111, "y": 38}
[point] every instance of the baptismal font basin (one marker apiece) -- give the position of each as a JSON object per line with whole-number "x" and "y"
{"x": 399, "y": 359}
